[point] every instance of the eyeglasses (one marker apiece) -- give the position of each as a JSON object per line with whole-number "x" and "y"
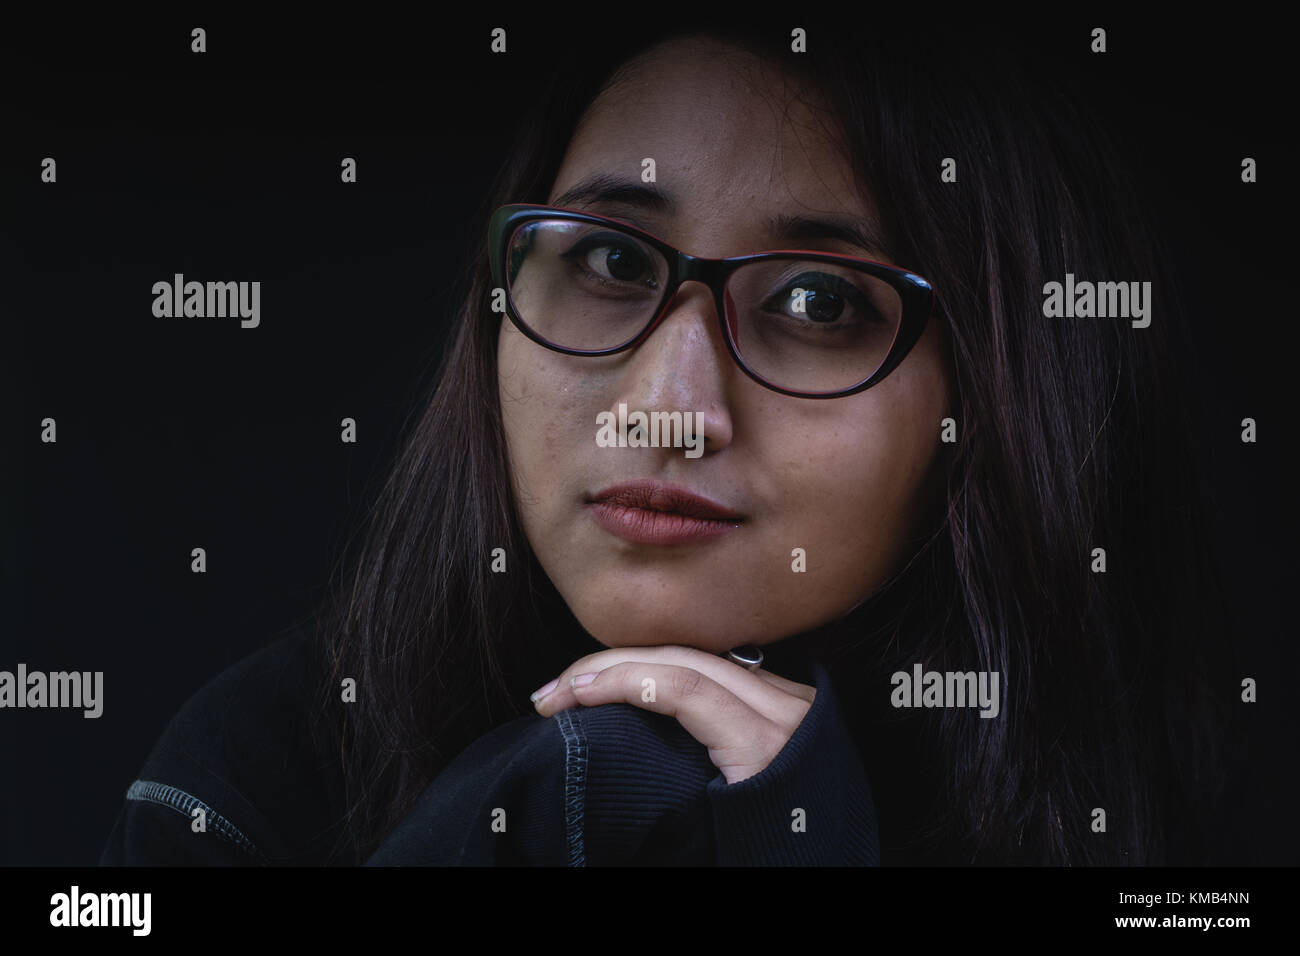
{"x": 808, "y": 324}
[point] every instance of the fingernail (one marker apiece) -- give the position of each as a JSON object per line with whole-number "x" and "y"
{"x": 582, "y": 680}
{"x": 541, "y": 692}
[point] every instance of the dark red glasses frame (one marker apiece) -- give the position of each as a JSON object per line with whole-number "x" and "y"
{"x": 914, "y": 292}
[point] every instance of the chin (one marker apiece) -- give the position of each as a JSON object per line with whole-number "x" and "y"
{"x": 616, "y": 627}
{"x": 624, "y": 627}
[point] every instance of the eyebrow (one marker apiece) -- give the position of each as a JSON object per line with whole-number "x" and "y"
{"x": 857, "y": 232}
{"x": 603, "y": 188}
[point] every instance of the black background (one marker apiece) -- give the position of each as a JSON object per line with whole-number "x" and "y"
{"x": 175, "y": 434}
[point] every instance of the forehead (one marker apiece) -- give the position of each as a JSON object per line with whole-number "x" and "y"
{"x": 734, "y": 140}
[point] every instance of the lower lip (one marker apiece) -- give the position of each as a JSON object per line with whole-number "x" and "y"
{"x": 643, "y": 526}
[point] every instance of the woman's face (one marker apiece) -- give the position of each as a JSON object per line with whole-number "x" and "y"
{"x": 843, "y": 479}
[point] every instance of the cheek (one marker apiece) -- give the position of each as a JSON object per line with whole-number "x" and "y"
{"x": 857, "y": 481}
{"x": 542, "y": 401}
{"x": 525, "y": 415}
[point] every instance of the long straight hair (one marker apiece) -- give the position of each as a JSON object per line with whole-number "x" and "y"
{"x": 1073, "y": 435}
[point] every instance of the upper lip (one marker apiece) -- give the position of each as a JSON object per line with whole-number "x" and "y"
{"x": 661, "y": 496}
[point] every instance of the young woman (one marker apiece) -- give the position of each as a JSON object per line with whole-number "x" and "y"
{"x": 902, "y": 466}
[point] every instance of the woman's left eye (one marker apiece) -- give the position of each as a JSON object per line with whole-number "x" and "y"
{"x": 822, "y": 299}
{"x": 819, "y": 305}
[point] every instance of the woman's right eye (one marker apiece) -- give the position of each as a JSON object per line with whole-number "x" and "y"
{"x": 609, "y": 259}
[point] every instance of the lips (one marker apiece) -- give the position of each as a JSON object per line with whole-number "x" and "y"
{"x": 650, "y": 512}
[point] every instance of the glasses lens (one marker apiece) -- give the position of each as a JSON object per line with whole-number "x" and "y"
{"x": 811, "y": 326}
{"x": 583, "y": 286}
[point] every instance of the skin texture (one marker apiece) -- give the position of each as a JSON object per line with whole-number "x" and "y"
{"x": 846, "y": 479}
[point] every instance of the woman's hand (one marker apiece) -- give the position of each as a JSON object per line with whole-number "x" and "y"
{"x": 743, "y": 717}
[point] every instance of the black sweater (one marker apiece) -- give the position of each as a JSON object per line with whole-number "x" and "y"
{"x": 606, "y": 785}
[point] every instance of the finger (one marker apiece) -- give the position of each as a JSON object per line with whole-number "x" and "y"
{"x": 734, "y": 732}
{"x": 761, "y": 695}
{"x": 802, "y": 691}
{"x": 669, "y": 653}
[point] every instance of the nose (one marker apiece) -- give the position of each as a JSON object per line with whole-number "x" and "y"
{"x": 684, "y": 366}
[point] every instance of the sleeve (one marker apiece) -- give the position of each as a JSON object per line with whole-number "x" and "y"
{"x": 156, "y": 827}
{"x": 498, "y": 803}
{"x": 602, "y": 786}
{"x": 811, "y": 806}
{"x": 232, "y": 779}
{"x": 616, "y": 785}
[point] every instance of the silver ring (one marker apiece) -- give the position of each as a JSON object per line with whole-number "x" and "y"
{"x": 747, "y": 656}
